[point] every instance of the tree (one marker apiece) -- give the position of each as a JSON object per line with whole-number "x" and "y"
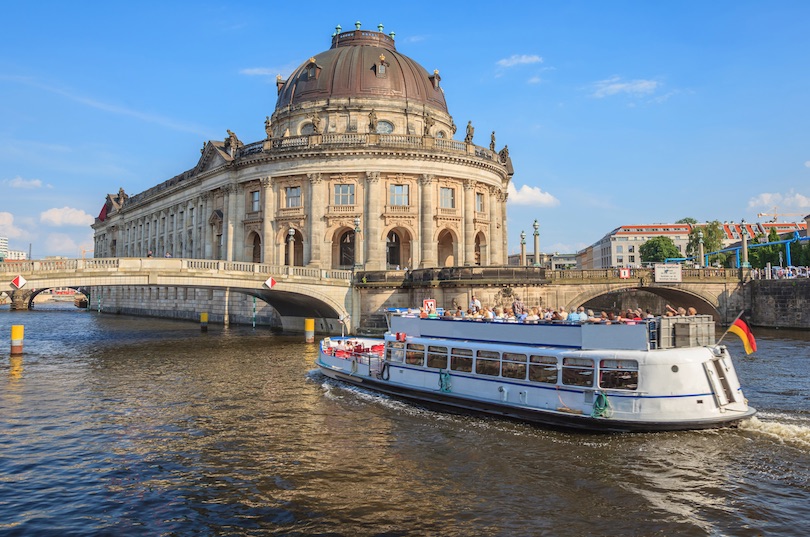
{"x": 657, "y": 249}
{"x": 688, "y": 220}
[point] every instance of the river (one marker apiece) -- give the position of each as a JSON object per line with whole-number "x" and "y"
{"x": 115, "y": 425}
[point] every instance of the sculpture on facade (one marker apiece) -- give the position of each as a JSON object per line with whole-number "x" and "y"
{"x": 470, "y": 131}
{"x": 372, "y": 121}
{"x": 492, "y": 141}
{"x": 429, "y": 122}
{"x": 268, "y": 127}
{"x": 316, "y": 123}
{"x": 503, "y": 156}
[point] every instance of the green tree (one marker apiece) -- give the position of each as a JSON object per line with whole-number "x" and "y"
{"x": 713, "y": 236}
{"x": 657, "y": 249}
{"x": 688, "y": 220}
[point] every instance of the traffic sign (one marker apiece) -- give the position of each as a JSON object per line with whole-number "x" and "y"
{"x": 270, "y": 282}
{"x": 19, "y": 281}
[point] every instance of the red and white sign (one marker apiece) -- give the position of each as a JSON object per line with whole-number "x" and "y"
{"x": 19, "y": 281}
{"x": 428, "y": 304}
{"x": 270, "y": 282}
{"x": 624, "y": 273}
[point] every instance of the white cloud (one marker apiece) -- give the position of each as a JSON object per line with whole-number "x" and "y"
{"x": 807, "y": 164}
{"x": 61, "y": 244}
{"x": 615, "y": 85}
{"x": 520, "y": 59}
{"x": 19, "y": 182}
{"x": 9, "y": 230}
{"x": 530, "y": 195}
{"x": 66, "y": 216}
{"x": 535, "y": 80}
{"x": 776, "y": 203}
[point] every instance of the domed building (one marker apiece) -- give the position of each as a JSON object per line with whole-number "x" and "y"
{"x": 359, "y": 169}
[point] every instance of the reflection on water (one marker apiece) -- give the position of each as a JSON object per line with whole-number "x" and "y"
{"x": 134, "y": 426}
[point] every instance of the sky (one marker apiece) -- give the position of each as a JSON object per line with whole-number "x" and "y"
{"x": 614, "y": 112}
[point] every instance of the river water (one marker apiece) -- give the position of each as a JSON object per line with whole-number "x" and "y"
{"x": 114, "y": 425}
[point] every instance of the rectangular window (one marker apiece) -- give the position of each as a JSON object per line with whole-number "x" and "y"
{"x": 479, "y": 202}
{"x": 619, "y": 249}
{"x": 514, "y": 366}
{"x": 618, "y": 374}
{"x": 577, "y": 372}
{"x": 632, "y": 259}
{"x": 461, "y": 360}
{"x": 631, "y": 248}
{"x": 344, "y": 194}
{"x": 437, "y": 357}
{"x": 447, "y": 198}
{"x": 293, "y": 195}
{"x": 254, "y": 201}
{"x": 415, "y": 354}
{"x": 543, "y": 369}
{"x": 395, "y": 351}
{"x": 488, "y": 363}
{"x": 620, "y": 259}
{"x": 399, "y": 195}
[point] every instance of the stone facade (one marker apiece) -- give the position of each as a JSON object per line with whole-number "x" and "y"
{"x": 780, "y": 303}
{"x": 359, "y": 169}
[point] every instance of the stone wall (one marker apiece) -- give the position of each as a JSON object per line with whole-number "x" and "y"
{"x": 780, "y": 303}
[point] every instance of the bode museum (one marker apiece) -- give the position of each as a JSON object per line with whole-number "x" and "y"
{"x": 359, "y": 168}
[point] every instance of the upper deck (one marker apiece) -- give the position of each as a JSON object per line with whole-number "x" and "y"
{"x": 658, "y": 333}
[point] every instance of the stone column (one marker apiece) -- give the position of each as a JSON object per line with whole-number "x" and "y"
{"x": 205, "y": 227}
{"x": 228, "y": 219}
{"x": 268, "y": 224}
{"x": 427, "y": 210}
{"x": 494, "y": 239}
{"x": 504, "y": 238}
{"x": 175, "y": 244}
{"x": 469, "y": 222}
{"x": 375, "y": 245}
{"x": 239, "y": 253}
{"x": 317, "y": 201}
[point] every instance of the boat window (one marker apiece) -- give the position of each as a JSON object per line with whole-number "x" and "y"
{"x": 618, "y": 374}
{"x": 577, "y": 371}
{"x": 543, "y": 369}
{"x": 514, "y": 366}
{"x": 437, "y": 357}
{"x": 488, "y": 363}
{"x": 415, "y": 354}
{"x": 461, "y": 360}
{"x": 395, "y": 351}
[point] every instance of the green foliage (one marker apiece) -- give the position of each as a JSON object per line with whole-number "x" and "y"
{"x": 687, "y": 220}
{"x": 657, "y": 249}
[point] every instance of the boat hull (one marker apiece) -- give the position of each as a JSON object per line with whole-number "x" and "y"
{"x": 548, "y": 418}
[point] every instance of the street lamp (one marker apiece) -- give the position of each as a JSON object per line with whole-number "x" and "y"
{"x": 700, "y": 247}
{"x": 358, "y": 248}
{"x": 290, "y": 246}
{"x": 536, "y": 227}
{"x": 523, "y": 248}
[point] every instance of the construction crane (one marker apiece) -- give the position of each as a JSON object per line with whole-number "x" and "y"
{"x": 776, "y": 214}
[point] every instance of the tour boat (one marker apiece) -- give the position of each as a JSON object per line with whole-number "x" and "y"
{"x": 661, "y": 374}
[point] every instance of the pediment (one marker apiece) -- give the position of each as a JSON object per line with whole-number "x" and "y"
{"x": 213, "y": 156}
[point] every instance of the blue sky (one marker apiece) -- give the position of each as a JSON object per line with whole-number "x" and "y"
{"x": 615, "y": 112}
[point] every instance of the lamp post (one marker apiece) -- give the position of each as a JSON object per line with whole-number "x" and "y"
{"x": 358, "y": 245}
{"x": 536, "y": 227}
{"x": 522, "y": 248}
{"x": 700, "y": 248}
{"x": 290, "y": 247}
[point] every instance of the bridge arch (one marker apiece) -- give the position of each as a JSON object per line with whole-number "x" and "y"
{"x": 703, "y": 302}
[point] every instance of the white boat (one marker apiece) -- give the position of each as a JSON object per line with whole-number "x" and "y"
{"x": 655, "y": 375}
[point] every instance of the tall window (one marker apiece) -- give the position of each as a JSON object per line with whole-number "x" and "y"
{"x": 344, "y": 194}
{"x": 399, "y": 195}
{"x": 447, "y": 198}
{"x": 479, "y": 202}
{"x": 254, "y": 201}
{"x": 293, "y": 194}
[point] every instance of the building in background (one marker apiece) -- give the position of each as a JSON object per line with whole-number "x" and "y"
{"x": 620, "y": 247}
{"x": 3, "y": 248}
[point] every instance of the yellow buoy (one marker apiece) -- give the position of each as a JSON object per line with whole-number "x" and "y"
{"x": 17, "y": 336}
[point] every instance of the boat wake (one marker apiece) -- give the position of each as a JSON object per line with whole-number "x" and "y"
{"x": 786, "y": 433}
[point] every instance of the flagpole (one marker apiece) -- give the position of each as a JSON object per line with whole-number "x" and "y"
{"x": 729, "y": 327}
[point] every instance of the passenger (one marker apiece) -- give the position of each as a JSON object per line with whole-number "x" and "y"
{"x": 691, "y": 311}
{"x": 555, "y": 316}
{"x": 591, "y": 318}
{"x": 475, "y": 304}
{"x": 432, "y": 314}
{"x": 563, "y": 314}
{"x": 649, "y": 314}
{"x": 422, "y": 313}
{"x": 487, "y": 314}
{"x": 573, "y": 317}
{"x": 532, "y": 316}
{"x": 583, "y": 315}
{"x": 519, "y": 309}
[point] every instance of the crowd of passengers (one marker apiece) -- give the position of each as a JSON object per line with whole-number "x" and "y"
{"x": 519, "y": 313}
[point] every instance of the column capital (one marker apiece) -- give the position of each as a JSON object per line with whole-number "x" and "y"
{"x": 427, "y": 179}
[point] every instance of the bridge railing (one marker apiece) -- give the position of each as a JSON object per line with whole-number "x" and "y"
{"x": 169, "y": 264}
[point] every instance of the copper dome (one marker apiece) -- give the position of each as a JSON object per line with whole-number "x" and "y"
{"x": 361, "y": 64}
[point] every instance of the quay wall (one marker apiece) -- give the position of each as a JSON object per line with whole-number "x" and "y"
{"x": 780, "y": 303}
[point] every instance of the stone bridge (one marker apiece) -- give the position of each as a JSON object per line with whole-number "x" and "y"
{"x": 721, "y": 293}
{"x": 329, "y": 295}
{"x": 297, "y": 292}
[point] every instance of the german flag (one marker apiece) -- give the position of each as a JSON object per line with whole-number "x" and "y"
{"x": 740, "y": 327}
